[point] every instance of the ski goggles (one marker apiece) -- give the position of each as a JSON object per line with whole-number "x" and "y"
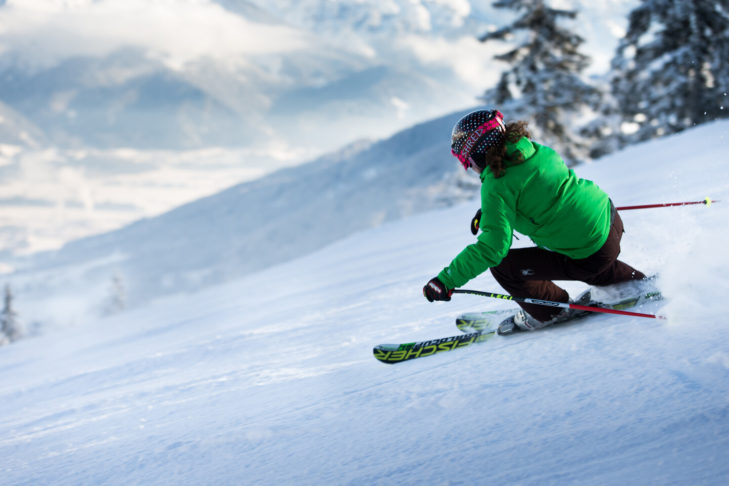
{"x": 464, "y": 155}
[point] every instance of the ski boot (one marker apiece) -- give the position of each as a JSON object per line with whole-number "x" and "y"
{"x": 522, "y": 321}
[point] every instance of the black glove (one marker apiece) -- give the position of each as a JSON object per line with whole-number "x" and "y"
{"x": 435, "y": 290}
{"x": 475, "y": 222}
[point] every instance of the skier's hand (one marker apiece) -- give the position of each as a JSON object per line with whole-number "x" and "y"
{"x": 435, "y": 290}
{"x": 475, "y": 222}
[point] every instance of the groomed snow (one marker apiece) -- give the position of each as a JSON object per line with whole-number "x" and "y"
{"x": 271, "y": 380}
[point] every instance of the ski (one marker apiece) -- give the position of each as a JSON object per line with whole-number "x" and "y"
{"x": 397, "y": 353}
{"x": 477, "y": 328}
{"x": 480, "y": 321}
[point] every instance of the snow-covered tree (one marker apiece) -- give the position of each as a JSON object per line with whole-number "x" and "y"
{"x": 671, "y": 71}
{"x": 117, "y": 300}
{"x": 544, "y": 84}
{"x": 9, "y": 323}
{"x": 605, "y": 130}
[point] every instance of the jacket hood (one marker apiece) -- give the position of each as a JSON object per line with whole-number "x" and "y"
{"x": 523, "y": 146}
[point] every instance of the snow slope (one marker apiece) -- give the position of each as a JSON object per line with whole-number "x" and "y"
{"x": 270, "y": 379}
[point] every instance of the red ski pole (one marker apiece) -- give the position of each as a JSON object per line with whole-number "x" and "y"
{"x": 706, "y": 201}
{"x": 550, "y": 303}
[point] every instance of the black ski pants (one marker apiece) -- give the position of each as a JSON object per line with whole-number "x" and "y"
{"x": 528, "y": 272}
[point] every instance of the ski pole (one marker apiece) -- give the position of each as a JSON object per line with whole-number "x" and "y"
{"x": 550, "y": 303}
{"x": 706, "y": 201}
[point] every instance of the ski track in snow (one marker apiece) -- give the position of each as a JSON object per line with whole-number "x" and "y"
{"x": 271, "y": 380}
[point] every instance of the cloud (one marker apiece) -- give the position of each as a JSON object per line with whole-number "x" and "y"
{"x": 46, "y": 32}
{"x": 470, "y": 60}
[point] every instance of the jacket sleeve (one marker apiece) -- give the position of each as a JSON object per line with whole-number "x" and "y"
{"x": 492, "y": 244}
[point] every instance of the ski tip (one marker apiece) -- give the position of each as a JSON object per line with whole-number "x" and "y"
{"x": 389, "y": 347}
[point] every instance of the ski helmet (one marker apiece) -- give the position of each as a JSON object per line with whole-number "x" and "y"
{"x": 476, "y": 133}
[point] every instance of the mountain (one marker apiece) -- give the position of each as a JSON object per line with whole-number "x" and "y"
{"x": 127, "y": 99}
{"x": 270, "y": 379}
{"x": 276, "y": 218}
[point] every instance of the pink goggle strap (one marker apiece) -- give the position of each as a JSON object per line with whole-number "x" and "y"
{"x": 464, "y": 156}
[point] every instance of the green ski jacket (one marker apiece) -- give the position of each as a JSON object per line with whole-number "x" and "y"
{"x": 540, "y": 198}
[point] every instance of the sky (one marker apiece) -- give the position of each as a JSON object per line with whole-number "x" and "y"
{"x": 45, "y": 32}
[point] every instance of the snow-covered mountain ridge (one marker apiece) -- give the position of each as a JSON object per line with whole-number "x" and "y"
{"x": 270, "y": 379}
{"x": 256, "y": 224}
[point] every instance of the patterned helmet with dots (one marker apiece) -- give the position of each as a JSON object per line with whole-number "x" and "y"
{"x": 476, "y": 133}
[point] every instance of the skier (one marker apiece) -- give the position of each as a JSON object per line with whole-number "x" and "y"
{"x": 527, "y": 187}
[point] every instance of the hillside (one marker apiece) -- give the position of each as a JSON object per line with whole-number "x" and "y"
{"x": 270, "y": 220}
{"x": 269, "y": 379}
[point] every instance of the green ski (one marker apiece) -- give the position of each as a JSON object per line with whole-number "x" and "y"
{"x": 397, "y": 353}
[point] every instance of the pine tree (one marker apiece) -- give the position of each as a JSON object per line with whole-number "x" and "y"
{"x": 544, "y": 84}
{"x": 671, "y": 71}
{"x": 9, "y": 323}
